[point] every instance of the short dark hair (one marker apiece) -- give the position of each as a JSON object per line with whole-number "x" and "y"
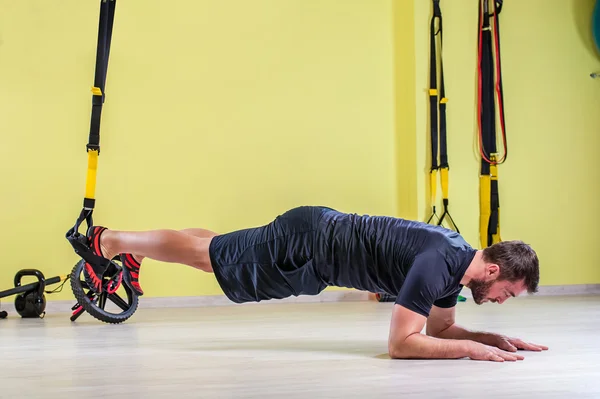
{"x": 517, "y": 261}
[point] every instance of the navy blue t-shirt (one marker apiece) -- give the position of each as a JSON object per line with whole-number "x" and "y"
{"x": 420, "y": 264}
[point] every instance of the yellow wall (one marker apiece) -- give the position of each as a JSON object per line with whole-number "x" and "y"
{"x": 409, "y": 186}
{"x": 223, "y": 114}
{"x": 549, "y": 185}
{"x": 218, "y": 115}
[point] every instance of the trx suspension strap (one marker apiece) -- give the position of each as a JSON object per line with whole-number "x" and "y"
{"x": 434, "y": 99}
{"x": 105, "y": 26}
{"x": 596, "y": 25}
{"x": 489, "y": 85}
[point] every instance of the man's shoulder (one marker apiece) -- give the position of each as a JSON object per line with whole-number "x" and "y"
{"x": 445, "y": 238}
{"x": 447, "y": 249}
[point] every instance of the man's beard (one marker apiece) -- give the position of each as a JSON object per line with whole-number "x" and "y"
{"x": 479, "y": 289}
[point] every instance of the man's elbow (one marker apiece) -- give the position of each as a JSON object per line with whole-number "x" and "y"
{"x": 432, "y": 333}
{"x": 437, "y": 330}
{"x": 396, "y": 353}
{"x": 400, "y": 350}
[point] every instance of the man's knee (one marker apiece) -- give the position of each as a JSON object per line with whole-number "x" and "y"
{"x": 201, "y": 259}
{"x": 200, "y": 233}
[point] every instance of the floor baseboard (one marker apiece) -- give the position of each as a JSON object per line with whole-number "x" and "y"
{"x": 557, "y": 290}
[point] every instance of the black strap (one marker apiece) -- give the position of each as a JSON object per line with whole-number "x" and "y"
{"x": 437, "y": 103}
{"x": 105, "y": 27}
{"x": 433, "y": 93}
{"x": 437, "y": 13}
{"x": 490, "y": 75}
{"x": 433, "y": 105}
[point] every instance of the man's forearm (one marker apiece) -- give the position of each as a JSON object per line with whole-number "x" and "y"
{"x": 419, "y": 346}
{"x": 460, "y": 333}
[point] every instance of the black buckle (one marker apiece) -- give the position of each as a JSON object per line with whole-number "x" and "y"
{"x": 93, "y": 147}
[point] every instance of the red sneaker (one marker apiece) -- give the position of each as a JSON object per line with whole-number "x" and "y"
{"x": 131, "y": 273}
{"x": 93, "y": 272}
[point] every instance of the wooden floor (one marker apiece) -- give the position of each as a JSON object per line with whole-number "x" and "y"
{"x": 317, "y": 350}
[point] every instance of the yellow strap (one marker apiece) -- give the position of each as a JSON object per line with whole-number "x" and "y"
{"x": 433, "y": 92}
{"x": 96, "y": 91}
{"x": 90, "y": 183}
{"x": 484, "y": 208}
{"x": 494, "y": 171}
{"x": 433, "y": 185}
{"x": 444, "y": 100}
{"x": 444, "y": 175}
{"x": 494, "y": 176}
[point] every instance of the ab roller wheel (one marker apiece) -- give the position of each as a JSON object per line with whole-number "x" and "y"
{"x": 114, "y": 305}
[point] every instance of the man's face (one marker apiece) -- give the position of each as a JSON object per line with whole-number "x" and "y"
{"x": 494, "y": 291}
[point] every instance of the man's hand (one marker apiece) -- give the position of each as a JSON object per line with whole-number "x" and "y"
{"x": 479, "y": 351}
{"x": 514, "y": 344}
{"x": 441, "y": 324}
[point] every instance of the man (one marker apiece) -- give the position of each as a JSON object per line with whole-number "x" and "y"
{"x": 308, "y": 248}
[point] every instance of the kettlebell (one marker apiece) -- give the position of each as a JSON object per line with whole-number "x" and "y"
{"x": 32, "y": 303}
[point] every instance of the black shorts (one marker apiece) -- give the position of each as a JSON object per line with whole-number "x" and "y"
{"x": 274, "y": 261}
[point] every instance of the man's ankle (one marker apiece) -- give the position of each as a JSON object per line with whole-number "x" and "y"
{"x": 107, "y": 244}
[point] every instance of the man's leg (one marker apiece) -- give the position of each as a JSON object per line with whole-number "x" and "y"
{"x": 196, "y": 232}
{"x": 271, "y": 261}
{"x": 163, "y": 245}
{"x": 188, "y": 247}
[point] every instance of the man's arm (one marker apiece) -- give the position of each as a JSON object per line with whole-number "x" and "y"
{"x": 441, "y": 324}
{"x": 407, "y": 342}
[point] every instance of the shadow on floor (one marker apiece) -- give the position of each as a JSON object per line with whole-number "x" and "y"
{"x": 371, "y": 349}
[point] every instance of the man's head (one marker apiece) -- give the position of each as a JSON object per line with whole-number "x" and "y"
{"x": 508, "y": 269}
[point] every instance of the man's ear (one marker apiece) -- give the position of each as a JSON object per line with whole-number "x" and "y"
{"x": 492, "y": 271}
